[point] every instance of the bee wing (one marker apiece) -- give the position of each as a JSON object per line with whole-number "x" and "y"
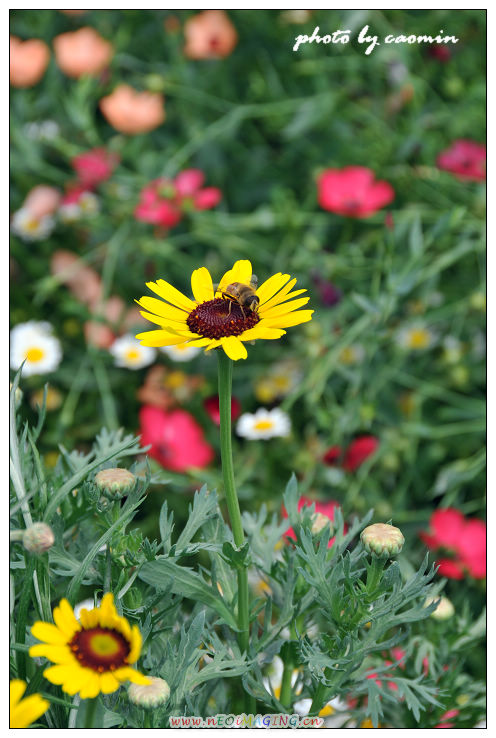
{"x": 254, "y": 281}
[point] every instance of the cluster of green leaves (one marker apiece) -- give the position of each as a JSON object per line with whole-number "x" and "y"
{"x": 328, "y": 612}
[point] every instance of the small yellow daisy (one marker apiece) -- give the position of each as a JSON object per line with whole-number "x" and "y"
{"x": 91, "y": 655}
{"x": 214, "y": 320}
{"x": 25, "y": 711}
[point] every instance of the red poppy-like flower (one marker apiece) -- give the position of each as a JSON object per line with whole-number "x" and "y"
{"x": 464, "y": 538}
{"x": 353, "y": 191}
{"x": 178, "y": 442}
{"x": 95, "y": 166}
{"x": 209, "y": 35}
{"x": 211, "y": 405}
{"x": 449, "y": 715}
{"x": 465, "y": 159}
{"x": 357, "y": 452}
{"x": 322, "y": 510}
{"x": 163, "y": 201}
{"x": 441, "y": 53}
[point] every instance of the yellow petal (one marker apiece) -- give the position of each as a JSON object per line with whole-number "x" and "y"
{"x": 271, "y": 286}
{"x": 281, "y": 296}
{"x": 127, "y": 673}
{"x": 167, "y": 292}
{"x": 57, "y": 654}
{"x": 213, "y": 343}
{"x": 17, "y": 689}
{"x": 261, "y": 331}
{"x": 159, "y": 307}
{"x": 163, "y": 322}
{"x": 89, "y": 618}
{"x": 107, "y": 610}
{"x": 60, "y": 673}
{"x": 201, "y": 285}
{"x": 28, "y": 711}
{"x": 79, "y": 677}
{"x": 241, "y": 272}
{"x": 285, "y": 321}
{"x": 160, "y": 338}
{"x": 274, "y": 300}
{"x": 199, "y": 342}
{"x": 91, "y": 688}
{"x": 65, "y": 619}
{"x": 136, "y": 643}
{"x": 108, "y": 683}
{"x": 234, "y": 348}
{"x": 285, "y": 307}
{"x": 48, "y": 633}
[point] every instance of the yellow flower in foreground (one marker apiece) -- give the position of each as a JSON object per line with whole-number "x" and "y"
{"x": 212, "y": 319}
{"x": 91, "y": 655}
{"x": 23, "y": 712}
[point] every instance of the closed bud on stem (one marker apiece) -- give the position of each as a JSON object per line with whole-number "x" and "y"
{"x": 443, "y": 611}
{"x": 319, "y": 522}
{"x": 382, "y": 539}
{"x": 115, "y": 483}
{"x": 152, "y": 695}
{"x": 38, "y": 538}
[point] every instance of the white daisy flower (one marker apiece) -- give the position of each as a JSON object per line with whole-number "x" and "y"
{"x": 264, "y": 424}
{"x": 34, "y": 344}
{"x": 30, "y": 228}
{"x": 351, "y": 354}
{"x": 69, "y": 213}
{"x": 181, "y": 352}
{"x": 89, "y": 203}
{"x": 88, "y": 604}
{"x": 129, "y": 353}
{"x": 415, "y": 337}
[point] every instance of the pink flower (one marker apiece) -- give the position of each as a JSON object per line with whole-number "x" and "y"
{"x": 465, "y": 539}
{"x": 163, "y": 201}
{"x": 324, "y": 508}
{"x": 211, "y": 405}
{"x": 352, "y": 191}
{"x": 357, "y": 452}
{"x": 95, "y": 166}
{"x": 178, "y": 442}
{"x": 465, "y": 159}
{"x": 42, "y": 200}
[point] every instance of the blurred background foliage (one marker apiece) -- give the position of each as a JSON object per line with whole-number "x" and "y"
{"x": 262, "y": 124}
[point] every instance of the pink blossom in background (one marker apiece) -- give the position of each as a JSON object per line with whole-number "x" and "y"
{"x": 178, "y": 442}
{"x": 465, "y": 159}
{"x": 464, "y": 538}
{"x": 353, "y": 191}
{"x": 95, "y": 166}
{"x": 211, "y": 405}
{"x": 357, "y": 452}
{"x": 324, "y": 508}
{"x": 42, "y": 200}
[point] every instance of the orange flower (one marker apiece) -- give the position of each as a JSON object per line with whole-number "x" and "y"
{"x": 209, "y": 35}
{"x": 28, "y": 61}
{"x": 42, "y": 200}
{"x": 82, "y": 52}
{"x": 133, "y": 112}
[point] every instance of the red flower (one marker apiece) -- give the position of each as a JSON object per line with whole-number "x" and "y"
{"x": 441, "y": 53}
{"x": 211, "y": 405}
{"x": 94, "y": 166}
{"x": 465, "y": 159}
{"x": 164, "y": 201}
{"x": 352, "y": 191}
{"x": 356, "y": 453}
{"x": 464, "y": 538}
{"x": 324, "y": 508}
{"x": 178, "y": 442}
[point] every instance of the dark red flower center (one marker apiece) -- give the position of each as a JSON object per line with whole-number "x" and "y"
{"x": 100, "y": 649}
{"x": 220, "y": 318}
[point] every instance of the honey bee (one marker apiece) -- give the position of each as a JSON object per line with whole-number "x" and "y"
{"x": 242, "y": 294}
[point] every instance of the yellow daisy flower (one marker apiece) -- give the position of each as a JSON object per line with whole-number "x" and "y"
{"x": 23, "y": 712}
{"x": 214, "y": 320}
{"x": 91, "y": 655}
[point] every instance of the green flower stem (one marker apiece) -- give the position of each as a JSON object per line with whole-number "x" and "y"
{"x": 319, "y": 699}
{"x": 90, "y": 712}
{"x": 286, "y": 690}
{"x": 374, "y": 573}
{"x": 225, "y": 385}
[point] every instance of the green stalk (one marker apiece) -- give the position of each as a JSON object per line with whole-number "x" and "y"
{"x": 90, "y": 712}
{"x": 286, "y": 691}
{"x": 225, "y": 385}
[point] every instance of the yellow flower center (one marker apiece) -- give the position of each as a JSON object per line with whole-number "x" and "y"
{"x": 281, "y": 382}
{"x": 132, "y": 354}
{"x": 419, "y": 338}
{"x": 174, "y": 380}
{"x": 263, "y": 425}
{"x": 347, "y": 355}
{"x": 104, "y": 644}
{"x": 31, "y": 225}
{"x": 326, "y": 711}
{"x": 34, "y": 354}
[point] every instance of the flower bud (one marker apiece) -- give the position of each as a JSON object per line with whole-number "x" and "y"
{"x": 382, "y": 539}
{"x": 443, "y": 611}
{"x": 38, "y": 538}
{"x": 149, "y": 696}
{"x": 115, "y": 483}
{"x": 319, "y": 522}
